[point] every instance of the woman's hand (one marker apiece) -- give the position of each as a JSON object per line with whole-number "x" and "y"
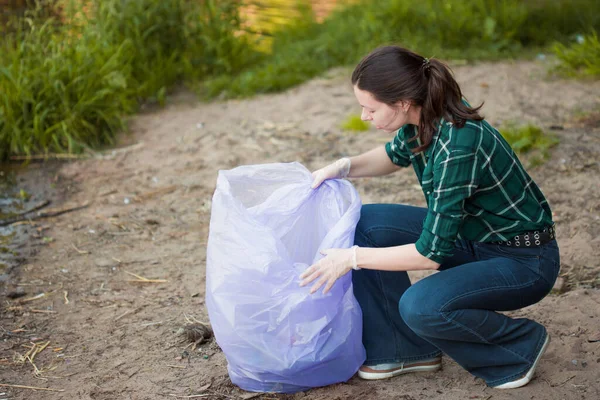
{"x": 335, "y": 264}
{"x": 336, "y": 170}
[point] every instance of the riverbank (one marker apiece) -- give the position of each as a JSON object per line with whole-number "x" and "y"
{"x": 114, "y": 285}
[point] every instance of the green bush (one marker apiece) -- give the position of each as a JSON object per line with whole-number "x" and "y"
{"x": 551, "y": 20}
{"x": 66, "y": 85}
{"x": 452, "y": 29}
{"x": 354, "y": 123}
{"x": 581, "y": 59}
{"x": 61, "y": 94}
{"x": 529, "y": 139}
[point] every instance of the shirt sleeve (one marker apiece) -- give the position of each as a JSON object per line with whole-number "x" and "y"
{"x": 397, "y": 150}
{"x": 455, "y": 178}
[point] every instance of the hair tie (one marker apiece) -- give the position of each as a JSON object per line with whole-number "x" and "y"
{"x": 426, "y": 63}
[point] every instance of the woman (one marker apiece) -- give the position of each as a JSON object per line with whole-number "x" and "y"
{"x": 487, "y": 229}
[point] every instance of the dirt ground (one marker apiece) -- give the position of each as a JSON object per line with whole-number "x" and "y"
{"x": 113, "y": 338}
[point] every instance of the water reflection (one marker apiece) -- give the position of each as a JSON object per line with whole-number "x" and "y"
{"x": 12, "y": 237}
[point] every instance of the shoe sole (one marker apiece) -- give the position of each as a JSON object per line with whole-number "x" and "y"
{"x": 386, "y": 375}
{"x": 529, "y": 375}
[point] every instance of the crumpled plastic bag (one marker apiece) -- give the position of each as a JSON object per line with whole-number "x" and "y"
{"x": 267, "y": 226}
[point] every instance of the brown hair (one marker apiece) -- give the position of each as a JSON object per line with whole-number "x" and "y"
{"x": 392, "y": 74}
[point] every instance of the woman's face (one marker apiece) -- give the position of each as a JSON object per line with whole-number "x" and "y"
{"x": 386, "y": 118}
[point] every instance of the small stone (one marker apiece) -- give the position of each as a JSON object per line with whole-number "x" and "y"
{"x": 19, "y": 292}
{"x": 560, "y": 286}
{"x": 584, "y": 364}
{"x": 205, "y": 357}
{"x": 104, "y": 263}
{"x": 574, "y": 362}
{"x": 594, "y": 337}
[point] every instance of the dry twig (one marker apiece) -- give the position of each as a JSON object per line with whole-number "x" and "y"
{"x": 45, "y": 214}
{"x": 191, "y": 320}
{"x": 79, "y": 251}
{"x": 144, "y": 280}
{"x": 109, "y": 155}
{"x": 106, "y": 193}
{"x": 161, "y": 191}
{"x": 31, "y": 387}
{"x": 124, "y": 314}
{"x": 44, "y": 157}
{"x": 36, "y": 297}
{"x": 562, "y": 383}
{"x": 41, "y": 204}
{"x": 34, "y": 350}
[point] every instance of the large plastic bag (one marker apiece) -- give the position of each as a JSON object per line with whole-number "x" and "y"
{"x": 267, "y": 226}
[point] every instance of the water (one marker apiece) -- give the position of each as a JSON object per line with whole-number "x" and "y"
{"x": 21, "y": 188}
{"x": 10, "y": 236}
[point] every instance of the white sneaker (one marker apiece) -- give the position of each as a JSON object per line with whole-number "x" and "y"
{"x": 524, "y": 380}
{"x": 384, "y": 371}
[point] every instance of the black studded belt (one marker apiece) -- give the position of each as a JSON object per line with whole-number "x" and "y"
{"x": 530, "y": 239}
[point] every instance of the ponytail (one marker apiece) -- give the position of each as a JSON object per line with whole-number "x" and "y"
{"x": 443, "y": 99}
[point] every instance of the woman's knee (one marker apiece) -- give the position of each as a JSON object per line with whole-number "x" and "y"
{"x": 365, "y": 223}
{"x": 385, "y": 225}
{"x": 419, "y": 309}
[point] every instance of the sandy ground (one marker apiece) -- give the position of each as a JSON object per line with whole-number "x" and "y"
{"x": 110, "y": 338}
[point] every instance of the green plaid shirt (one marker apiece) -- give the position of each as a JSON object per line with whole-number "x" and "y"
{"x": 474, "y": 184}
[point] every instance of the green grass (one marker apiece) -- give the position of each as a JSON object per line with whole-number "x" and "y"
{"x": 450, "y": 29}
{"x": 66, "y": 87}
{"x": 62, "y": 96}
{"x": 355, "y": 124}
{"x": 530, "y": 140}
{"x": 581, "y": 58}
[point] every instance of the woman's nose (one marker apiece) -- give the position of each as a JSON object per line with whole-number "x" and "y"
{"x": 365, "y": 116}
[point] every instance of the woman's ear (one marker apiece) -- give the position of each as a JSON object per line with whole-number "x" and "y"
{"x": 404, "y": 105}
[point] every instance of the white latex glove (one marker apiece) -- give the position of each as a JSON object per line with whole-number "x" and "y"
{"x": 337, "y": 170}
{"x": 335, "y": 264}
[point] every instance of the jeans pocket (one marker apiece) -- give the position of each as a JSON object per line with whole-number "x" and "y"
{"x": 519, "y": 252}
{"x": 490, "y": 250}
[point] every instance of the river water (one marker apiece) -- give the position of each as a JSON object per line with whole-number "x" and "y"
{"x": 21, "y": 188}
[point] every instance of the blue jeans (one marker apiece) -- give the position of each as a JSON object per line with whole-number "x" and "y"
{"x": 455, "y": 310}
